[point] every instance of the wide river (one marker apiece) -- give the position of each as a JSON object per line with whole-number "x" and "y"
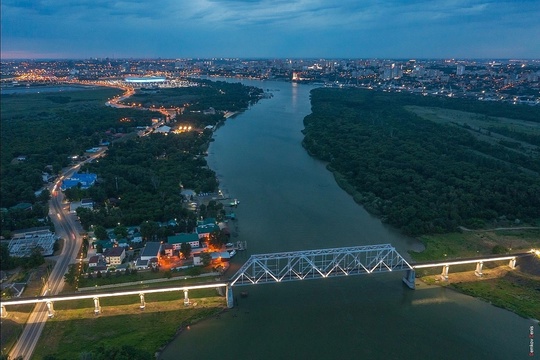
{"x": 289, "y": 201}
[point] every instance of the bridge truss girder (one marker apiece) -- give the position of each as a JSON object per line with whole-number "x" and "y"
{"x": 318, "y": 264}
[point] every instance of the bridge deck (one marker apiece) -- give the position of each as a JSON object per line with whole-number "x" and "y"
{"x": 470, "y": 260}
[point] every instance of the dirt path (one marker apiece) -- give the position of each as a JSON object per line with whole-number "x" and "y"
{"x": 501, "y": 228}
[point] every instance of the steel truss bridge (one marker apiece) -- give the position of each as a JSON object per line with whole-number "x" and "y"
{"x": 317, "y": 264}
{"x": 293, "y": 266}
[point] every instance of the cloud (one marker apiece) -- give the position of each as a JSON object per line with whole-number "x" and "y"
{"x": 263, "y": 27}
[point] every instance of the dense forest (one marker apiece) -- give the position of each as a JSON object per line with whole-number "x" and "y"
{"x": 220, "y": 95}
{"x": 46, "y": 129}
{"x": 422, "y": 176}
{"x": 141, "y": 180}
{"x": 40, "y": 133}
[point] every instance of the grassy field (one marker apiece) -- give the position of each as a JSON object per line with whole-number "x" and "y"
{"x": 139, "y": 276}
{"x": 472, "y": 119}
{"x": 474, "y": 243}
{"x": 76, "y": 330}
{"x": 18, "y": 315}
{"x": 515, "y": 290}
{"x": 161, "y": 314}
{"x": 486, "y": 128}
{"x": 22, "y": 104}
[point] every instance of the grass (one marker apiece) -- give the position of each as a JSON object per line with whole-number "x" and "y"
{"x": 139, "y": 276}
{"x": 474, "y": 243}
{"x": 131, "y": 300}
{"x": 13, "y": 326}
{"x": 448, "y": 246}
{"x": 11, "y": 329}
{"x": 516, "y": 291}
{"x": 22, "y": 104}
{"x": 74, "y": 331}
{"x": 119, "y": 307}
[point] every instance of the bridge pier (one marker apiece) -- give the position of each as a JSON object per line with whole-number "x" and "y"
{"x": 478, "y": 271}
{"x": 3, "y": 312}
{"x": 186, "y": 298}
{"x": 143, "y": 304}
{"x": 50, "y": 309}
{"x": 512, "y": 263}
{"x": 230, "y": 297}
{"x": 410, "y": 278}
{"x": 444, "y": 273}
{"x": 97, "y": 308}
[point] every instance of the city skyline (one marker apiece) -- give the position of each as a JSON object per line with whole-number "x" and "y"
{"x": 270, "y": 29}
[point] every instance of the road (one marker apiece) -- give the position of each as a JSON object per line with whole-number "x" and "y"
{"x": 66, "y": 227}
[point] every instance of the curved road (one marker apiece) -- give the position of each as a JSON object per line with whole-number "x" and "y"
{"x": 65, "y": 227}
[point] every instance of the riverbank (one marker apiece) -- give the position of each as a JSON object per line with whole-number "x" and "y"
{"x": 67, "y": 333}
{"x": 513, "y": 290}
{"x": 291, "y": 202}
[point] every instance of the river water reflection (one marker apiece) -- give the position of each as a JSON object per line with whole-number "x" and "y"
{"x": 289, "y": 201}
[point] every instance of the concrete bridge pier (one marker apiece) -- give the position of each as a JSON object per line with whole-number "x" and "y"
{"x": 50, "y": 309}
{"x": 186, "y": 298}
{"x": 478, "y": 271}
{"x": 444, "y": 273}
{"x": 143, "y": 304}
{"x": 410, "y": 279}
{"x": 3, "y": 312}
{"x": 97, "y": 308}
{"x": 230, "y": 297}
{"x": 512, "y": 263}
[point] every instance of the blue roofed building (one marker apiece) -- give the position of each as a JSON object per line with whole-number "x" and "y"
{"x": 151, "y": 250}
{"x": 86, "y": 180}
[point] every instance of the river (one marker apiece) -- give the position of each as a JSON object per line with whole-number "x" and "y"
{"x": 289, "y": 201}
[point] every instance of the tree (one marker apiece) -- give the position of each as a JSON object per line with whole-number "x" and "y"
{"x": 69, "y": 277}
{"x": 124, "y": 352}
{"x": 85, "y": 241}
{"x": 85, "y": 356}
{"x": 6, "y": 261}
{"x": 121, "y": 232}
{"x": 35, "y": 259}
{"x": 217, "y": 239}
{"x": 50, "y": 357}
{"x": 164, "y": 232}
{"x": 44, "y": 196}
{"x": 100, "y": 232}
{"x": 185, "y": 250}
{"x": 206, "y": 258}
{"x": 149, "y": 230}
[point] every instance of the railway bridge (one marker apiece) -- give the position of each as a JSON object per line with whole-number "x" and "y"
{"x": 292, "y": 266}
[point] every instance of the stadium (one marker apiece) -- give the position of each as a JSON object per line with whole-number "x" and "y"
{"x": 145, "y": 80}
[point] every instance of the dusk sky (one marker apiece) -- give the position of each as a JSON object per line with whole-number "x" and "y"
{"x": 270, "y": 28}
